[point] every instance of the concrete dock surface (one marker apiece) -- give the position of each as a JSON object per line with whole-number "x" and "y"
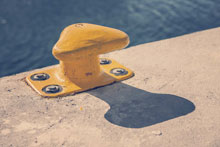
{"x": 172, "y": 101}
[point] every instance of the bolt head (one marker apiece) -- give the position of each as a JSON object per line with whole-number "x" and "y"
{"x": 40, "y": 77}
{"x": 119, "y": 71}
{"x": 105, "y": 61}
{"x": 52, "y": 89}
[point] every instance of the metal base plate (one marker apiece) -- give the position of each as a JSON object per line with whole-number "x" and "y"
{"x": 48, "y": 85}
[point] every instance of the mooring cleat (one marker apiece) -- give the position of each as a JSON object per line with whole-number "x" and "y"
{"x": 80, "y": 67}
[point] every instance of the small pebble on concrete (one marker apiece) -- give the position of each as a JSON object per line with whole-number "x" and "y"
{"x": 157, "y": 133}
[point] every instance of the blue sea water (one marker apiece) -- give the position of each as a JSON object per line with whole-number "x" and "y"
{"x": 29, "y": 28}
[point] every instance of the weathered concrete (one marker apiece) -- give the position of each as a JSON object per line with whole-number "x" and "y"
{"x": 173, "y": 100}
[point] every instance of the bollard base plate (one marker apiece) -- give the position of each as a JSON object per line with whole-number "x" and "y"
{"x": 69, "y": 88}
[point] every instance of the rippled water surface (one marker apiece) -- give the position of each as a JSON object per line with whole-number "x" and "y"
{"x": 29, "y": 28}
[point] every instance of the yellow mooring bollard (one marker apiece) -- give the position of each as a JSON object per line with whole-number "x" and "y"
{"x": 80, "y": 68}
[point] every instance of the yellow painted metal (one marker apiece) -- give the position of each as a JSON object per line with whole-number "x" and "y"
{"x": 77, "y": 50}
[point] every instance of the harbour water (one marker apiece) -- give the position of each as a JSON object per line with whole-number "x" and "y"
{"x": 29, "y": 28}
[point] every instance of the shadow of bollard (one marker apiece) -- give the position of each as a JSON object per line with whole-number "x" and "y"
{"x": 135, "y": 108}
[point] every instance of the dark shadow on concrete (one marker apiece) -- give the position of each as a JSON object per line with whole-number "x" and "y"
{"x": 135, "y": 108}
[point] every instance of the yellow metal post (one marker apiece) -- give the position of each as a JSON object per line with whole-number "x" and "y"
{"x": 80, "y": 68}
